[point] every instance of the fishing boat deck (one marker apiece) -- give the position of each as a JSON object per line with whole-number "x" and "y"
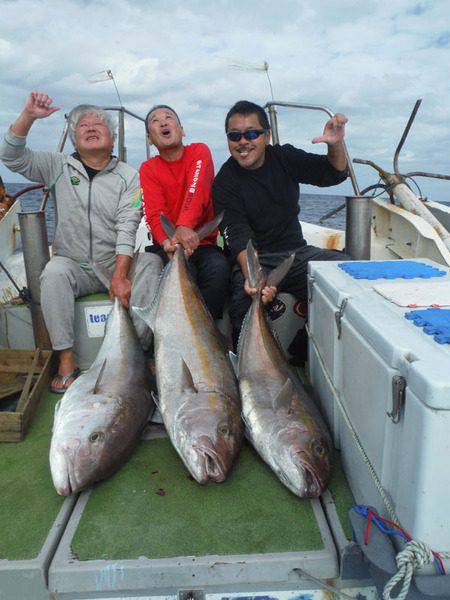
{"x": 152, "y": 508}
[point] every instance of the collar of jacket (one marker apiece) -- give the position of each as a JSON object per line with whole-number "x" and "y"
{"x": 75, "y": 162}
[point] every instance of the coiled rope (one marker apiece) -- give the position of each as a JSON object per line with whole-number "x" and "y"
{"x": 415, "y": 554}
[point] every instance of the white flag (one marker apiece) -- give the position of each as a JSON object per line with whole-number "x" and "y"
{"x": 100, "y": 76}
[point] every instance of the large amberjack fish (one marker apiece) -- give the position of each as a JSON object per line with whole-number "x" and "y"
{"x": 99, "y": 419}
{"x": 198, "y": 395}
{"x": 281, "y": 421}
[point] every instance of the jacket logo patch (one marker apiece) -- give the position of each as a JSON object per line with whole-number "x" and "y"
{"x": 74, "y": 180}
{"x": 137, "y": 200}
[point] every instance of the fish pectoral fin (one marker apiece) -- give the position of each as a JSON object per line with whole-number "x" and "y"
{"x": 283, "y": 400}
{"x": 187, "y": 381}
{"x": 57, "y": 407}
{"x": 234, "y": 362}
{"x": 96, "y": 389}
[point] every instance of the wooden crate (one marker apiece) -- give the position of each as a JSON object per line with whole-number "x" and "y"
{"x": 17, "y": 368}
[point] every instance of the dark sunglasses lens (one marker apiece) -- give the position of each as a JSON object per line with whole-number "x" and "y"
{"x": 234, "y": 136}
{"x": 252, "y": 134}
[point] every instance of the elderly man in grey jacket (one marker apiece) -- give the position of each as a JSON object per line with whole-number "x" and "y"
{"x": 98, "y": 212}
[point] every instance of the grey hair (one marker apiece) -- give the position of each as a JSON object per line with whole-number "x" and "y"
{"x": 90, "y": 109}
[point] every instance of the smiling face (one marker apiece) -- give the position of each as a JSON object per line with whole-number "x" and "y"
{"x": 164, "y": 129}
{"x": 249, "y": 154}
{"x": 92, "y": 136}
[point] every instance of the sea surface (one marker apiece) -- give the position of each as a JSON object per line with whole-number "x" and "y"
{"x": 313, "y": 206}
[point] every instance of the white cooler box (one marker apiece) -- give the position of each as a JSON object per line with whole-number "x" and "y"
{"x": 362, "y": 346}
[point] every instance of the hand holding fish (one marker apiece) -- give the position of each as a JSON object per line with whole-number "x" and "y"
{"x": 39, "y": 105}
{"x": 333, "y": 132}
{"x": 187, "y": 237}
{"x": 169, "y": 248}
{"x": 268, "y": 293}
{"x": 120, "y": 288}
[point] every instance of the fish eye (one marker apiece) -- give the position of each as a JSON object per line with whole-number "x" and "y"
{"x": 223, "y": 430}
{"x": 95, "y": 436}
{"x": 318, "y": 449}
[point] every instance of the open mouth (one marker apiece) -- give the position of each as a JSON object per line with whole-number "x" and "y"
{"x": 212, "y": 467}
{"x": 165, "y": 132}
{"x": 313, "y": 484}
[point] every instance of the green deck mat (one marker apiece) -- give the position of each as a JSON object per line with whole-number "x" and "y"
{"x": 152, "y": 508}
{"x": 29, "y": 503}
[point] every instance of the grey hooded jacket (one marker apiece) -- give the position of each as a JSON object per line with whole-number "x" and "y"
{"x": 95, "y": 219}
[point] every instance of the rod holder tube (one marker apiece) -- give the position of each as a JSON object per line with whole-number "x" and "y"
{"x": 358, "y": 227}
{"x": 36, "y": 255}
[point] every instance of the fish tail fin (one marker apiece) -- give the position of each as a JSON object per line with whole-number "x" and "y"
{"x": 209, "y": 227}
{"x": 256, "y": 277}
{"x": 167, "y": 225}
{"x": 280, "y": 272}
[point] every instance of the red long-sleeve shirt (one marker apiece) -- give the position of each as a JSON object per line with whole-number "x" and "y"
{"x": 179, "y": 189}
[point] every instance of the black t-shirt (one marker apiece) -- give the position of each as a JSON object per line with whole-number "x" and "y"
{"x": 262, "y": 204}
{"x": 91, "y": 173}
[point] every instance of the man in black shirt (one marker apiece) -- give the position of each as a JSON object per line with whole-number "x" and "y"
{"x": 257, "y": 188}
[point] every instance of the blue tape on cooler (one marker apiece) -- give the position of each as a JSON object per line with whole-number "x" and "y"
{"x": 388, "y": 269}
{"x": 435, "y": 322}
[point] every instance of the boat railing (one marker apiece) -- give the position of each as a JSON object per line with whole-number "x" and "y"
{"x": 276, "y": 138}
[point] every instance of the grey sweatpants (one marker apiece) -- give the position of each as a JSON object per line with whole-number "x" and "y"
{"x": 63, "y": 280}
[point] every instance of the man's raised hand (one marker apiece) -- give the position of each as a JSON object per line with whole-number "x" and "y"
{"x": 334, "y": 130}
{"x": 39, "y": 105}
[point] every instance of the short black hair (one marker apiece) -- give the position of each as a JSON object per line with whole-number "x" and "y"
{"x": 154, "y": 108}
{"x": 244, "y": 107}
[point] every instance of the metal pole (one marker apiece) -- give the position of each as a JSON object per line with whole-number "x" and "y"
{"x": 36, "y": 255}
{"x": 274, "y": 124}
{"x": 358, "y": 227}
{"x": 122, "y": 152}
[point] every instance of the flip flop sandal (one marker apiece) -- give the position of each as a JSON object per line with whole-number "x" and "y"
{"x": 64, "y": 379}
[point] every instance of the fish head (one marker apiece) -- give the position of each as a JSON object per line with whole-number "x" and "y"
{"x": 303, "y": 458}
{"x": 208, "y": 435}
{"x": 87, "y": 445}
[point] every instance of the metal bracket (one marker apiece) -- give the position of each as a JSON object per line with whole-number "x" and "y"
{"x": 398, "y": 398}
{"x": 338, "y": 316}
{"x": 191, "y": 595}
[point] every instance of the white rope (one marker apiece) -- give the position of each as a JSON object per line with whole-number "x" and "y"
{"x": 415, "y": 554}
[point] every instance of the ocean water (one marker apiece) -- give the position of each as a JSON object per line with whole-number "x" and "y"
{"x": 312, "y": 207}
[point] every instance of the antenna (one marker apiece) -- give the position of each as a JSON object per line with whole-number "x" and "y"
{"x": 256, "y": 68}
{"x": 105, "y": 76}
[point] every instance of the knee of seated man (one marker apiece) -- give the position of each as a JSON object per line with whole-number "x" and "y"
{"x": 53, "y": 270}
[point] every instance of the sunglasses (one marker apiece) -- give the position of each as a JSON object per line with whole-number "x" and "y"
{"x": 251, "y": 134}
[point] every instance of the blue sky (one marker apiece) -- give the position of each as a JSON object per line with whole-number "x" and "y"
{"x": 370, "y": 61}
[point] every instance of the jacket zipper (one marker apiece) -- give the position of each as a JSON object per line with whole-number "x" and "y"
{"x": 89, "y": 219}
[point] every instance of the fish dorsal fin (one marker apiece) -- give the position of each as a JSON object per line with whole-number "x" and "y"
{"x": 255, "y": 274}
{"x": 280, "y": 272}
{"x": 283, "y": 399}
{"x": 209, "y": 227}
{"x": 99, "y": 378}
{"x": 234, "y": 362}
{"x": 167, "y": 225}
{"x": 187, "y": 381}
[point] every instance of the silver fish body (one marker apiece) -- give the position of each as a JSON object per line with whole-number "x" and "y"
{"x": 281, "y": 420}
{"x": 99, "y": 419}
{"x": 198, "y": 396}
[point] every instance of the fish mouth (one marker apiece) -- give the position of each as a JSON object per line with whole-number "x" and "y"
{"x": 313, "y": 484}
{"x": 211, "y": 464}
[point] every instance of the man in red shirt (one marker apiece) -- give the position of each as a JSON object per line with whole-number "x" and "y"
{"x": 178, "y": 184}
